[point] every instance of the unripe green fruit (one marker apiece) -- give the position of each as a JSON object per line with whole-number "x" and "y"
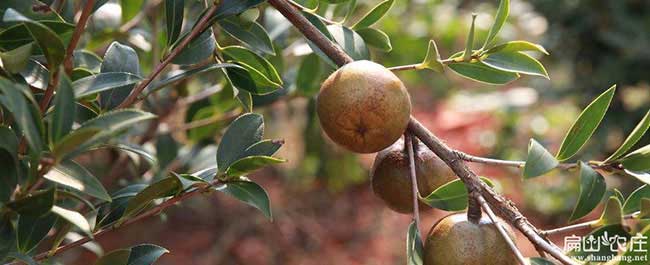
{"x": 364, "y": 107}
{"x": 456, "y": 241}
{"x": 391, "y": 178}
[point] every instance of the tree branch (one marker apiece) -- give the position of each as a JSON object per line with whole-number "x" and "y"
{"x": 408, "y": 141}
{"x": 76, "y": 36}
{"x": 196, "y": 31}
{"x": 575, "y": 227}
{"x": 502, "y": 231}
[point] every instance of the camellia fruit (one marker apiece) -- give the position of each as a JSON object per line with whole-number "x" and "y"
{"x": 391, "y": 178}
{"x": 456, "y": 241}
{"x": 364, "y": 107}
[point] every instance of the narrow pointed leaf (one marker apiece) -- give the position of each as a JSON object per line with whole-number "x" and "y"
{"x": 74, "y": 218}
{"x": 592, "y": 190}
{"x": 32, "y": 229}
{"x": 632, "y": 139}
{"x": 16, "y": 60}
{"x": 102, "y": 82}
{"x": 539, "y": 160}
{"x": 174, "y": 12}
{"x": 516, "y": 62}
{"x": 26, "y": 116}
{"x": 517, "y": 46}
{"x": 414, "y": 246}
{"x": 48, "y": 40}
{"x": 633, "y": 202}
{"x": 451, "y": 196}
{"x": 481, "y": 72}
{"x": 432, "y": 59}
{"x": 374, "y": 15}
{"x": 64, "y": 112}
{"x": 73, "y": 175}
{"x": 252, "y": 35}
{"x": 376, "y": 38}
{"x": 163, "y": 188}
{"x": 249, "y": 164}
{"x": 638, "y": 160}
{"x": 499, "y": 21}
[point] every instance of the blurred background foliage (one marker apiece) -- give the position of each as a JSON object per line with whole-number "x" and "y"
{"x": 324, "y": 209}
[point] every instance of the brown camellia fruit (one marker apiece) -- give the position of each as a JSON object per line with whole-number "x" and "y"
{"x": 391, "y": 179}
{"x": 364, "y": 107}
{"x": 456, "y": 241}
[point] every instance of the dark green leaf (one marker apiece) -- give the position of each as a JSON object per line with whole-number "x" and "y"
{"x": 499, "y": 21}
{"x": 118, "y": 59}
{"x": 516, "y": 62}
{"x": 197, "y": 50}
{"x": 233, "y": 7}
{"x": 479, "y": 71}
{"x": 350, "y": 41}
{"x": 374, "y": 15}
{"x": 585, "y": 125}
{"x": 633, "y": 202}
{"x": 517, "y": 46}
{"x": 50, "y": 43}
{"x": 645, "y": 208}
{"x": 28, "y": 120}
{"x": 249, "y": 164}
{"x": 73, "y": 175}
{"x": 145, "y": 254}
{"x": 265, "y": 79}
{"x": 414, "y": 246}
{"x": 102, "y": 82}
{"x": 376, "y": 38}
{"x": 243, "y": 132}
{"x": 31, "y": 229}
{"x": 37, "y": 203}
{"x": 451, "y": 196}
{"x": 638, "y": 160}
{"x": 249, "y": 193}
{"x": 87, "y": 60}
{"x": 163, "y": 188}
{"x": 252, "y": 35}
{"x": 35, "y": 74}
{"x": 166, "y": 150}
{"x": 72, "y": 141}
{"x": 632, "y": 139}
{"x": 592, "y": 189}
{"x": 74, "y": 218}
{"x": 16, "y": 60}
{"x": 8, "y": 163}
{"x": 309, "y": 75}
{"x": 7, "y": 237}
{"x": 136, "y": 149}
{"x": 64, "y": 112}
{"x": 539, "y": 160}
{"x": 174, "y": 13}
{"x": 263, "y": 148}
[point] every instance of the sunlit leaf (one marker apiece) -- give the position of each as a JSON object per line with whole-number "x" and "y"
{"x": 499, "y": 21}
{"x": 638, "y": 160}
{"x": 479, "y": 71}
{"x": 48, "y": 40}
{"x": 613, "y": 213}
{"x": 163, "y": 188}
{"x": 632, "y": 139}
{"x": 118, "y": 58}
{"x": 516, "y": 62}
{"x": 73, "y": 175}
{"x": 375, "y": 38}
{"x": 539, "y": 160}
{"x": 16, "y": 60}
{"x": 103, "y": 82}
{"x": 74, "y": 218}
{"x": 432, "y": 59}
{"x": 374, "y": 15}
{"x": 249, "y": 164}
{"x": 517, "y": 46}
{"x": 592, "y": 189}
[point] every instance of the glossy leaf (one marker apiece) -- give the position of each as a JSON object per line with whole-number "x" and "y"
{"x": 259, "y": 76}
{"x": 499, "y": 21}
{"x": 249, "y": 164}
{"x": 37, "y": 203}
{"x": 174, "y": 13}
{"x": 243, "y": 132}
{"x": 432, "y": 59}
{"x": 64, "y": 112}
{"x": 73, "y": 218}
{"x": 592, "y": 190}
{"x": 28, "y": 119}
{"x": 633, "y": 202}
{"x": 32, "y": 229}
{"x": 641, "y": 176}
{"x": 263, "y": 148}
{"x": 163, "y": 188}
{"x": 374, "y": 15}
{"x": 87, "y": 60}
{"x": 252, "y": 35}
{"x": 469, "y": 44}
{"x": 166, "y": 150}
{"x": 48, "y": 40}
{"x": 481, "y": 72}
{"x": 539, "y": 160}
{"x": 136, "y": 149}
{"x": 234, "y": 7}
{"x": 517, "y": 46}
{"x": 632, "y": 139}
{"x": 197, "y": 50}
{"x": 72, "y": 141}
{"x": 376, "y": 38}
{"x": 638, "y": 160}
{"x": 118, "y": 58}
{"x": 585, "y": 125}
{"x": 451, "y": 196}
{"x": 350, "y": 41}
{"x": 414, "y": 246}
{"x": 145, "y": 254}
{"x": 75, "y": 176}
{"x": 103, "y": 82}
{"x": 16, "y": 60}
{"x": 249, "y": 193}
{"x": 308, "y": 76}
{"x": 35, "y": 74}
{"x": 516, "y": 62}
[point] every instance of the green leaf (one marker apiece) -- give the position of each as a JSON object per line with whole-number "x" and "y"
{"x": 451, "y": 196}
{"x": 190, "y": 73}
{"x": 264, "y": 148}
{"x": 259, "y": 76}
{"x": 163, "y": 188}
{"x": 633, "y": 202}
{"x": 35, "y": 74}
{"x": 32, "y": 229}
{"x": 585, "y": 125}
{"x": 64, "y": 112}
{"x": 26, "y": 117}
{"x": 638, "y": 160}
{"x": 641, "y": 176}
{"x": 73, "y": 175}
{"x": 432, "y": 59}
{"x": 308, "y": 76}
{"x": 481, "y": 72}
{"x": 499, "y": 21}
{"x": 115, "y": 257}
{"x": 102, "y": 82}
{"x": 48, "y": 40}
{"x": 631, "y": 139}
{"x": 374, "y": 15}
{"x": 249, "y": 193}
{"x": 249, "y": 164}
{"x": 197, "y": 50}
{"x": 516, "y": 62}
{"x": 613, "y": 213}
{"x": 16, "y": 60}
{"x": 166, "y": 150}
{"x": 414, "y": 246}
{"x": 350, "y": 41}
{"x": 592, "y": 190}
{"x": 118, "y": 59}
{"x": 234, "y": 7}
{"x": 74, "y": 218}
{"x": 7, "y": 237}
{"x": 145, "y": 254}
{"x": 87, "y": 60}
{"x": 539, "y": 160}
{"x": 252, "y": 35}
{"x": 174, "y": 12}
{"x": 517, "y": 46}
{"x": 310, "y": 5}
{"x": 136, "y": 149}
{"x": 539, "y": 261}
{"x": 375, "y": 38}
{"x": 72, "y": 141}
{"x": 131, "y": 8}
{"x": 9, "y": 165}
{"x": 243, "y": 132}
{"x": 467, "y": 55}
{"x": 37, "y": 203}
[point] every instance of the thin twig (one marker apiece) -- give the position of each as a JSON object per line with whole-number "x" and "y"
{"x": 580, "y": 226}
{"x": 196, "y": 31}
{"x": 76, "y": 36}
{"x": 408, "y": 141}
{"x": 502, "y": 230}
{"x": 417, "y": 66}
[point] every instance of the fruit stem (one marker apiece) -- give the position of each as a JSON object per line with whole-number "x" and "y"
{"x": 486, "y": 207}
{"x": 474, "y": 213}
{"x": 409, "y": 143}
